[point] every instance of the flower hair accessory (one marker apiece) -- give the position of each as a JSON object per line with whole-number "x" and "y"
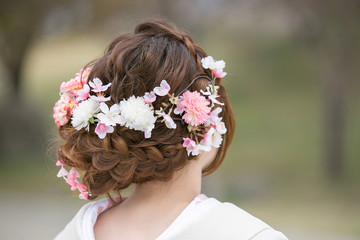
{"x": 84, "y": 103}
{"x": 71, "y": 178}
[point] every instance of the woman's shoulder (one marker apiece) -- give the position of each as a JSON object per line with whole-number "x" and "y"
{"x": 227, "y": 221}
{"x": 249, "y": 226}
{"x": 84, "y": 218}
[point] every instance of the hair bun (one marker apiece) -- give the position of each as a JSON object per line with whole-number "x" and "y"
{"x": 135, "y": 64}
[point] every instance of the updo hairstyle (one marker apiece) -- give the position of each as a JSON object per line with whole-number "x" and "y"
{"x": 135, "y": 63}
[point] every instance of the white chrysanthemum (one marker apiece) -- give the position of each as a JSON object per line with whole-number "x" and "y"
{"x": 83, "y": 113}
{"x": 138, "y": 115}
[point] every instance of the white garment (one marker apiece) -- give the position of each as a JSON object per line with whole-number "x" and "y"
{"x": 227, "y": 222}
{"x": 204, "y": 218}
{"x": 196, "y": 208}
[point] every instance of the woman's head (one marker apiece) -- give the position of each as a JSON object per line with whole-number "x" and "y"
{"x": 134, "y": 64}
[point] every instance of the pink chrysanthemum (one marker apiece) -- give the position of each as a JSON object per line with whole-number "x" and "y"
{"x": 195, "y": 106}
{"x": 63, "y": 109}
{"x": 75, "y": 84}
{"x": 61, "y": 115}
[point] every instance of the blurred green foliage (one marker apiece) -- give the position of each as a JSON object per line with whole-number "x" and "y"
{"x": 275, "y": 167}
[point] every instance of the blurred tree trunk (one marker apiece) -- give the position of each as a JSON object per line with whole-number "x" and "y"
{"x": 17, "y": 27}
{"x": 336, "y": 96}
{"x": 329, "y": 27}
{"x": 20, "y": 22}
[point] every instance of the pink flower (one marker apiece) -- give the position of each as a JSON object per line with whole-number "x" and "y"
{"x": 59, "y": 163}
{"x": 83, "y": 93}
{"x": 63, "y": 109}
{"x": 163, "y": 89}
{"x": 149, "y": 97}
{"x": 61, "y": 114}
{"x": 75, "y": 184}
{"x": 76, "y": 83}
{"x": 72, "y": 183}
{"x": 169, "y": 122}
{"x": 97, "y": 85}
{"x": 84, "y": 195}
{"x": 195, "y": 106}
{"x": 81, "y": 187}
{"x": 189, "y": 144}
{"x": 214, "y": 117}
{"x": 62, "y": 172}
{"x": 71, "y": 179}
{"x": 83, "y": 74}
{"x": 101, "y": 130}
{"x": 179, "y": 108}
{"x": 70, "y": 86}
{"x": 218, "y": 72}
{"x": 73, "y": 173}
{"x": 100, "y": 98}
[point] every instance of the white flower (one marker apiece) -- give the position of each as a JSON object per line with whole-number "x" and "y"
{"x": 207, "y": 140}
{"x": 97, "y": 85}
{"x": 100, "y": 98}
{"x": 189, "y": 144}
{"x": 219, "y": 64}
{"x": 200, "y": 147}
{"x": 169, "y": 122}
{"x": 207, "y": 92}
{"x": 220, "y": 127}
{"x": 163, "y": 89}
{"x": 62, "y": 172}
{"x": 214, "y": 117}
{"x": 211, "y": 96}
{"x": 216, "y": 140}
{"x": 84, "y": 113}
{"x": 209, "y": 63}
{"x": 149, "y": 97}
{"x": 110, "y": 117}
{"x": 138, "y": 115}
{"x": 212, "y": 138}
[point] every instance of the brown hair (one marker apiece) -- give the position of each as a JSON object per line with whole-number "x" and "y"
{"x": 135, "y": 63}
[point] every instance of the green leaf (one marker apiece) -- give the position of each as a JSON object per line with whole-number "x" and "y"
{"x": 189, "y": 127}
{"x": 92, "y": 120}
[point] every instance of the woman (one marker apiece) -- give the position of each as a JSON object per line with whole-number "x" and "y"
{"x": 152, "y": 113}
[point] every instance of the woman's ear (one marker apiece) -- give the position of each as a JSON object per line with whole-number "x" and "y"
{"x": 205, "y": 158}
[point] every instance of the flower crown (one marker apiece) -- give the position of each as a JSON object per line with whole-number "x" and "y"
{"x": 83, "y": 102}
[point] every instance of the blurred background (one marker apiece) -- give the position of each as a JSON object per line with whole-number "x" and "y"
{"x": 293, "y": 79}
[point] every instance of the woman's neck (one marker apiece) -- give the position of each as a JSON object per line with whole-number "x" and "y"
{"x": 184, "y": 187}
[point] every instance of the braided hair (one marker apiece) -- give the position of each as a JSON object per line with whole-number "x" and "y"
{"x": 135, "y": 63}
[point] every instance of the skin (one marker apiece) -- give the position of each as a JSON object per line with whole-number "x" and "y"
{"x": 153, "y": 206}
